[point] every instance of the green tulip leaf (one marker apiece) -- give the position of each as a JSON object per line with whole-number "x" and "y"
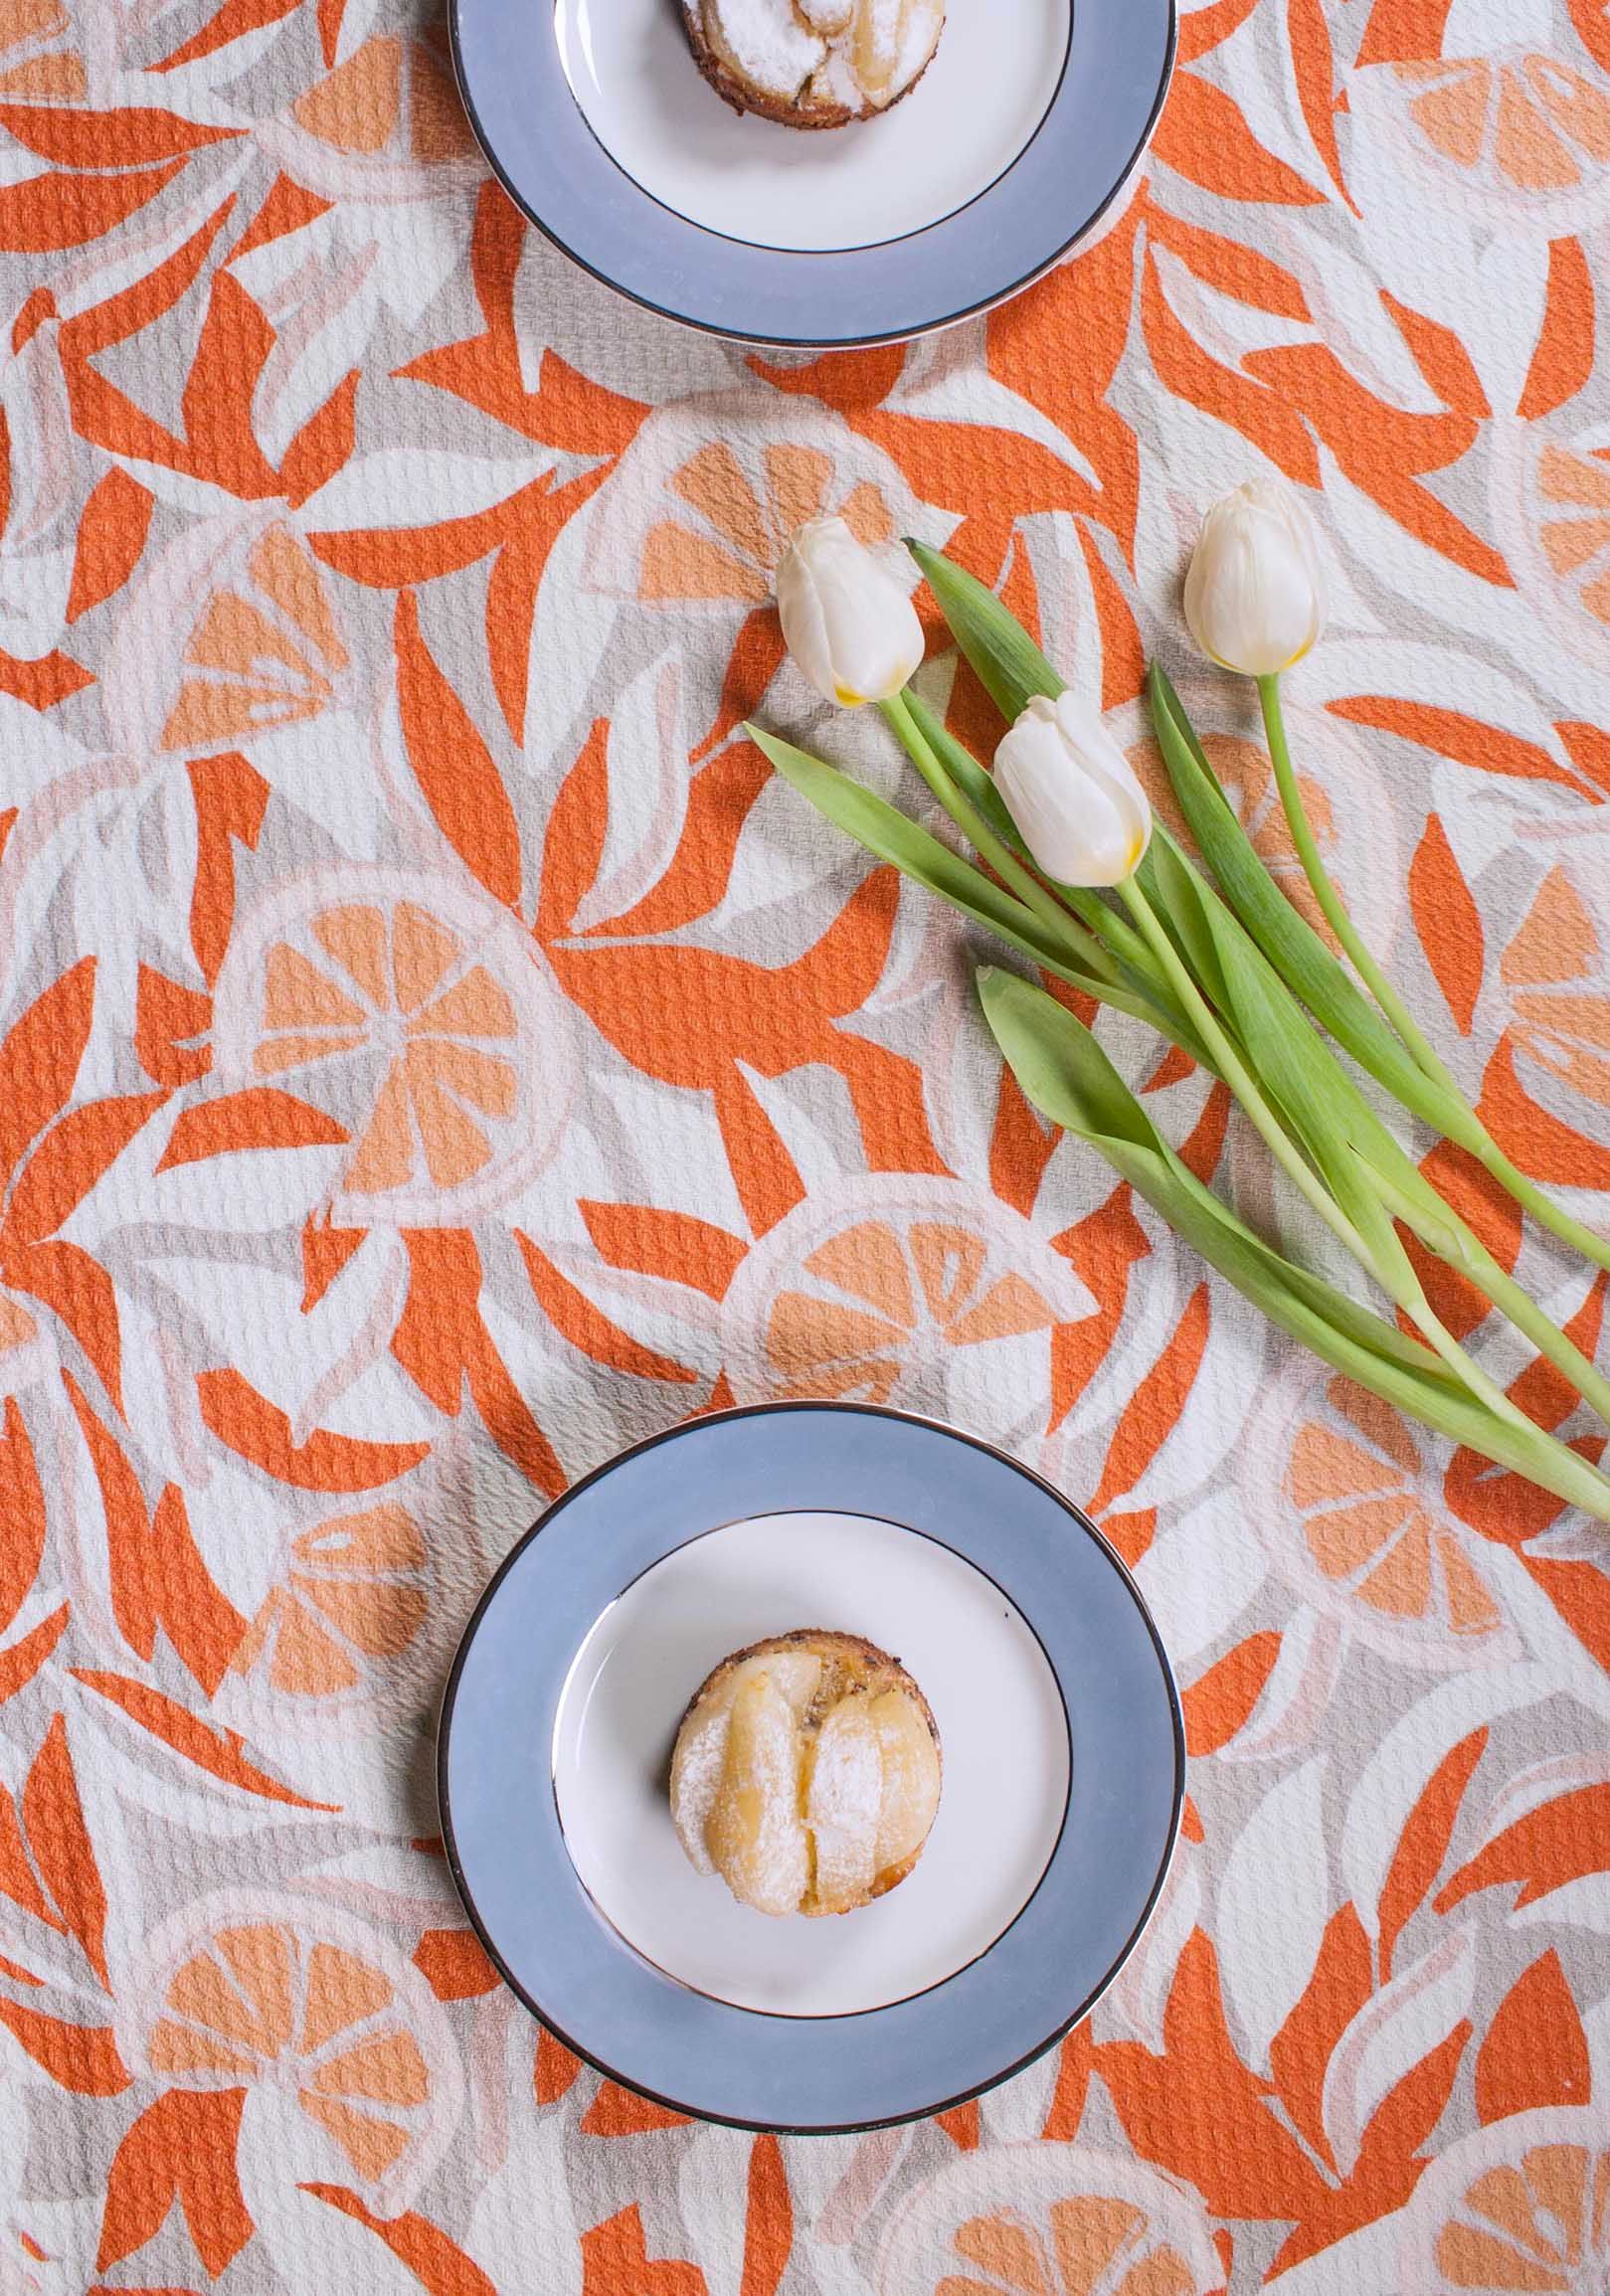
{"x": 1256, "y": 960}
{"x": 1065, "y": 1074}
{"x": 1010, "y": 666}
{"x": 1282, "y": 934}
{"x": 890, "y": 835}
{"x": 1141, "y": 969}
{"x": 968, "y": 775}
{"x": 1244, "y": 981}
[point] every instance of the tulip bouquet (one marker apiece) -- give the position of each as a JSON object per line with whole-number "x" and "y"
{"x": 1074, "y": 873}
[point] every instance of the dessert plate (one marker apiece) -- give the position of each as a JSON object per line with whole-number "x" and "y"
{"x": 1030, "y": 118}
{"x": 1063, "y": 1746}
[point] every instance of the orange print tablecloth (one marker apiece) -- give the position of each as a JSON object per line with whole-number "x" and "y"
{"x": 432, "y": 1053}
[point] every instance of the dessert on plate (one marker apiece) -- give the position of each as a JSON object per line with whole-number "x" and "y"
{"x": 806, "y": 1774}
{"x": 814, "y": 62}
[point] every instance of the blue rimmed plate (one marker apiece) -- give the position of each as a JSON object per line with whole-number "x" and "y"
{"x": 1064, "y": 1766}
{"x": 1026, "y": 124}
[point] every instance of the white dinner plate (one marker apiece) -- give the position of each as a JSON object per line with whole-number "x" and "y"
{"x": 1026, "y": 126}
{"x": 1063, "y": 1766}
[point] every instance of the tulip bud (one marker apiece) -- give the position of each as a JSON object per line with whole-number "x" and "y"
{"x": 1073, "y": 795}
{"x": 849, "y": 623}
{"x": 1255, "y": 594}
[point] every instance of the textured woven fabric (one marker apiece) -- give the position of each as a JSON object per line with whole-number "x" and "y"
{"x": 432, "y": 1053}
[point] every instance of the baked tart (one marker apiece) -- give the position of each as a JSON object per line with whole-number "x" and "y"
{"x": 814, "y": 62}
{"x": 806, "y": 1774}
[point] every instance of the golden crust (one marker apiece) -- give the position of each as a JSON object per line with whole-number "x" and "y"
{"x": 851, "y": 1666}
{"x": 849, "y": 1663}
{"x": 742, "y": 96}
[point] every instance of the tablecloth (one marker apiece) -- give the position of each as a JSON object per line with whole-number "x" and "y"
{"x": 435, "y": 1053}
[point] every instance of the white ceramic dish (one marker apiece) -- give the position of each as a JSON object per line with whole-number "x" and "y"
{"x": 978, "y": 104}
{"x": 1026, "y": 124}
{"x": 1028, "y": 1638}
{"x": 1001, "y": 1723}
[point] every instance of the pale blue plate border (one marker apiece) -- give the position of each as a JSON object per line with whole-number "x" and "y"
{"x": 809, "y": 2075}
{"x": 539, "y": 145}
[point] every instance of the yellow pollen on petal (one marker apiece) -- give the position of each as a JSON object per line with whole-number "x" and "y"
{"x": 849, "y": 696}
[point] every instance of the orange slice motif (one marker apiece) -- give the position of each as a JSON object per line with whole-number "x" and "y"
{"x": 312, "y": 2000}
{"x": 1339, "y": 1491}
{"x": 876, "y": 1286}
{"x": 1569, "y": 511}
{"x": 728, "y": 529}
{"x": 1531, "y": 123}
{"x": 421, "y": 1017}
{"x": 391, "y": 98}
{"x": 1552, "y": 972}
{"x": 352, "y": 1600}
{"x": 265, "y": 652}
{"x": 862, "y": 1296}
{"x": 1519, "y": 2208}
{"x": 404, "y": 981}
{"x": 1048, "y": 2219}
{"x": 39, "y": 56}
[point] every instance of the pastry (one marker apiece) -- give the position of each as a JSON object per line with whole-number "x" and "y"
{"x": 814, "y": 62}
{"x": 806, "y": 1774}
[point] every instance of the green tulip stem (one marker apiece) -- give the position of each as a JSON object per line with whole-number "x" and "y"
{"x": 965, "y": 773}
{"x": 1465, "y": 1251}
{"x": 1538, "y": 1201}
{"x": 1063, "y": 1071}
{"x": 1399, "y": 1284}
{"x": 1239, "y": 1078}
{"x": 1001, "y": 858}
{"x": 1118, "y": 933}
{"x": 1473, "y": 1135}
{"x": 1324, "y": 892}
{"x": 1514, "y": 1301}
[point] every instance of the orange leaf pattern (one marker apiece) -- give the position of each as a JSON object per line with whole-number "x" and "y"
{"x": 432, "y": 1050}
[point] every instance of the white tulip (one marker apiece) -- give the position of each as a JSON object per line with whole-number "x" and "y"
{"x": 1255, "y": 594}
{"x": 1071, "y": 791}
{"x": 849, "y": 623}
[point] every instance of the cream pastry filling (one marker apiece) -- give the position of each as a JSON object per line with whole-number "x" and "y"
{"x": 840, "y": 53}
{"x": 800, "y": 1802}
